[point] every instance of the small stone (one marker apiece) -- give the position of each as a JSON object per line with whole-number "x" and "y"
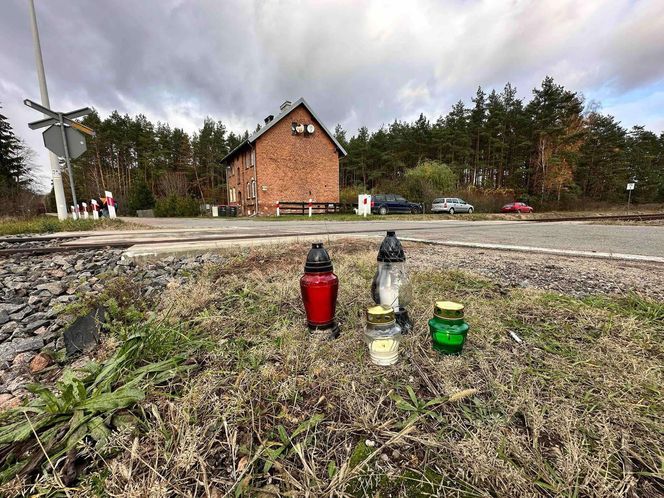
{"x": 34, "y": 300}
{"x": 20, "y": 315}
{"x": 17, "y": 383}
{"x": 32, "y": 326}
{"x": 40, "y": 331}
{"x": 54, "y": 288}
{"x": 370, "y": 443}
{"x": 8, "y": 401}
{"x": 22, "y": 359}
{"x": 11, "y": 308}
{"x": 10, "y": 349}
{"x": 8, "y": 328}
{"x": 4, "y": 317}
{"x": 40, "y": 362}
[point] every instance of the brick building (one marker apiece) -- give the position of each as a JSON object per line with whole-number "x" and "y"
{"x": 292, "y": 158}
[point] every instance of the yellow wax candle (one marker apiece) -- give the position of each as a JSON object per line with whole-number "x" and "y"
{"x": 382, "y": 345}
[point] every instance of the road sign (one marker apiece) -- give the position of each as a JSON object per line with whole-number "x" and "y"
{"x": 61, "y": 138}
{"x": 54, "y": 117}
{"x": 630, "y": 186}
{"x": 75, "y": 141}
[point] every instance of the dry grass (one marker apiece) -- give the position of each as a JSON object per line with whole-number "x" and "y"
{"x": 576, "y": 410}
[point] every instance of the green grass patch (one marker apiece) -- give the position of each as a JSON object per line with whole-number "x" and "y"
{"x": 50, "y": 224}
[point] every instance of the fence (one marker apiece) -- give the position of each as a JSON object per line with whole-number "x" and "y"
{"x": 302, "y": 208}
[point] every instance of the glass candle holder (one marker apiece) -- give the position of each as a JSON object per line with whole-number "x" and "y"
{"x": 319, "y": 287}
{"x": 391, "y": 286}
{"x": 382, "y": 335}
{"x": 448, "y": 328}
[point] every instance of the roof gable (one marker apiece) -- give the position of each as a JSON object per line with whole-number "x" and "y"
{"x": 256, "y": 135}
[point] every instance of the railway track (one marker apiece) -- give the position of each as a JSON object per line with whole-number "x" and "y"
{"x": 122, "y": 244}
{"x": 619, "y": 217}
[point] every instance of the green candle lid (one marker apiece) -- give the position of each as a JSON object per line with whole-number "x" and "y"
{"x": 379, "y": 315}
{"x": 448, "y": 310}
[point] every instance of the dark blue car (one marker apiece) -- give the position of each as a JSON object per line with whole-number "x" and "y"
{"x": 391, "y": 203}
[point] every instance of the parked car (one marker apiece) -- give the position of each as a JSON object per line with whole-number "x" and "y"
{"x": 390, "y": 203}
{"x": 517, "y": 207}
{"x": 451, "y": 205}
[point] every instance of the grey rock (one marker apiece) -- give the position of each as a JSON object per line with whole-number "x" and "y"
{"x": 10, "y": 349}
{"x": 17, "y": 383}
{"x": 20, "y": 315}
{"x": 8, "y": 327}
{"x": 83, "y": 335}
{"x": 35, "y": 325}
{"x": 65, "y": 299}
{"x": 4, "y": 317}
{"x": 34, "y": 299}
{"x": 12, "y": 307}
{"x": 55, "y": 288}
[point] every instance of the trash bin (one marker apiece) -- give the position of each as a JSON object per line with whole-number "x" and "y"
{"x": 232, "y": 211}
{"x": 223, "y": 210}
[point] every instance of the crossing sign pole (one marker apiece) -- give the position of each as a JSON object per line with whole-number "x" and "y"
{"x": 67, "y": 161}
{"x": 68, "y": 135}
{"x": 630, "y": 187}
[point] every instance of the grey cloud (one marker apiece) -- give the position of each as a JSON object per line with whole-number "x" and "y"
{"x": 356, "y": 62}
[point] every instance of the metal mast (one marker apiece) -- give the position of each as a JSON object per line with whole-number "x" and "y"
{"x": 58, "y": 187}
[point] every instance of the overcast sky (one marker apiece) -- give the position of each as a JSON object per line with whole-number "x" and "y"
{"x": 356, "y": 62}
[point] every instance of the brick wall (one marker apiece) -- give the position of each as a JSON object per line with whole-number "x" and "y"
{"x": 240, "y": 174}
{"x": 296, "y": 167}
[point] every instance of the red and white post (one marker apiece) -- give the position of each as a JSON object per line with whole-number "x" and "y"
{"x": 86, "y": 215}
{"x": 310, "y": 207}
{"x": 73, "y": 212}
{"x": 110, "y": 203}
{"x": 278, "y": 213}
{"x": 95, "y": 209}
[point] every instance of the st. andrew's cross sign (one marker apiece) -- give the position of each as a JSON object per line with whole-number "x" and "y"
{"x": 55, "y": 136}
{"x": 62, "y": 136}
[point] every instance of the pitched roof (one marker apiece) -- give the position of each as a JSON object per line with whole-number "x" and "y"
{"x": 254, "y": 136}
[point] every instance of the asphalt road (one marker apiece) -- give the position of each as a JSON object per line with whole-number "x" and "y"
{"x": 574, "y": 236}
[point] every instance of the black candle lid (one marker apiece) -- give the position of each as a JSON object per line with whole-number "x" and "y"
{"x": 318, "y": 260}
{"x": 390, "y": 249}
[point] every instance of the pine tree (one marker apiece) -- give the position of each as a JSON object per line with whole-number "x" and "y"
{"x": 13, "y": 168}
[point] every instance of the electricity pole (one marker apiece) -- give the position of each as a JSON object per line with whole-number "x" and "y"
{"x": 58, "y": 187}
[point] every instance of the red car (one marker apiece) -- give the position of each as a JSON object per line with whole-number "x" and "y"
{"x": 516, "y": 207}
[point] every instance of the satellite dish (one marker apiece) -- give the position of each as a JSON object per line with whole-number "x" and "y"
{"x": 299, "y": 128}
{"x": 310, "y": 128}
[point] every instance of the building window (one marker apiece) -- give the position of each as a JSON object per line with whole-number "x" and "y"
{"x": 248, "y": 191}
{"x": 231, "y": 195}
{"x": 253, "y": 157}
{"x": 253, "y": 188}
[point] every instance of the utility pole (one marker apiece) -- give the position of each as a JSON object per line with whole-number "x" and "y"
{"x": 58, "y": 188}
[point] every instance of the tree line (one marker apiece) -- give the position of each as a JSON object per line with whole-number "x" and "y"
{"x": 138, "y": 161}
{"x": 548, "y": 150}
{"x": 552, "y": 150}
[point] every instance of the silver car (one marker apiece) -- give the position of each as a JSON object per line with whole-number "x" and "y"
{"x": 451, "y": 205}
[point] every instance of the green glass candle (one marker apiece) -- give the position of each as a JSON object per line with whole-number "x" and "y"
{"x": 447, "y": 327}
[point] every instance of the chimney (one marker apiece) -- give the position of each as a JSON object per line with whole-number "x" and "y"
{"x": 285, "y": 105}
{"x": 269, "y": 118}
